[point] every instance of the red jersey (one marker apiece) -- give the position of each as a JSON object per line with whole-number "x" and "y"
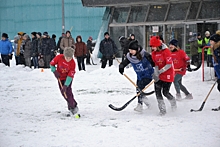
{"x": 63, "y": 67}
{"x": 180, "y": 58}
{"x": 161, "y": 58}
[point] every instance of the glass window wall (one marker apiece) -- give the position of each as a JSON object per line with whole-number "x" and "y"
{"x": 210, "y": 10}
{"x": 178, "y": 11}
{"x": 120, "y": 15}
{"x": 157, "y": 12}
{"x": 138, "y": 14}
{"x": 193, "y": 10}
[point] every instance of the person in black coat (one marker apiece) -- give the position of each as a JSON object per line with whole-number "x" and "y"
{"x": 58, "y": 43}
{"x": 34, "y": 53}
{"x": 90, "y": 46}
{"x": 108, "y": 49}
{"x": 124, "y": 42}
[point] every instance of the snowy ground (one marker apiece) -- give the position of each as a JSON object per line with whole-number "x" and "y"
{"x": 30, "y": 100}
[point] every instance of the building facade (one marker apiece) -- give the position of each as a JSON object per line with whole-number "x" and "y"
{"x": 46, "y": 15}
{"x": 178, "y": 19}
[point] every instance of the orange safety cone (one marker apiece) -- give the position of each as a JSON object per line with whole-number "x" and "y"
{"x": 42, "y": 70}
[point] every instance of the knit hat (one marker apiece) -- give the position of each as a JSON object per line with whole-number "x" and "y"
{"x": 106, "y": 33}
{"x": 174, "y": 42}
{"x": 68, "y": 52}
{"x": 34, "y": 33}
{"x": 68, "y": 32}
{"x": 54, "y": 36}
{"x": 132, "y": 35}
{"x": 216, "y": 37}
{"x": 45, "y": 33}
{"x": 198, "y": 34}
{"x": 20, "y": 33}
{"x": 4, "y": 35}
{"x": 90, "y": 38}
{"x": 39, "y": 33}
{"x": 207, "y": 32}
{"x": 155, "y": 41}
{"x": 133, "y": 45}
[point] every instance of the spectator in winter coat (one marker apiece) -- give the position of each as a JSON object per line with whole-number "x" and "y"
{"x": 63, "y": 66}
{"x": 54, "y": 49}
{"x": 58, "y": 43}
{"x": 163, "y": 73}
{"x": 27, "y": 50}
{"x": 67, "y": 41}
{"x": 215, "y": 46}
{"x": 90, "y": 46}
{"x": 205, "y": 42}
{"x": 180, "y": 62}
{"x": 5, "y": 49}
{"x": 194, "y": 50}
{"x": 108, "y": 49}
{"x": 19, "y": 57}
{"x": 46, "y": 48}
{"x": 143, "y": 66}
{"x": 34, "y": 48}
{"x": 80, "y": 52}
{"x": 15, "y": 46}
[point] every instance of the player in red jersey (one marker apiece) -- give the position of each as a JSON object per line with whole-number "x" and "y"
{"x": 64, "y": 72}
{"x": 163, "y": 73}
{"x": 180, "y": 61}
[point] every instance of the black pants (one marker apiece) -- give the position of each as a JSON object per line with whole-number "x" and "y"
{"x": 104, "y": 61}
{"x": 5, "y": 59}
{"x": 218, "y": 86}
{"x": 163, "y": 87}
{"x": 88, "y": 59}
{"x": 81, "y": 64}
{"x": 195, "y": 60}
{"x": 141, "y": 85}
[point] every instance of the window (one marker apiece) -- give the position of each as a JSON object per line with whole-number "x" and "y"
{"x": 157, "y": 12}
{"x": 193, "y": 10}
{"x": 210, "y": 10}
{"x": 138, "y": 14}
{"x": 178, "y": 11}
{"x": 120, "y": 15}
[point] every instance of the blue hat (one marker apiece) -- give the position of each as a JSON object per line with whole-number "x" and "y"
{"x": 174, "y": 42}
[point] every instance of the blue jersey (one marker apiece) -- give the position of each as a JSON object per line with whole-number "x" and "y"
{"x": 216, "y": 63}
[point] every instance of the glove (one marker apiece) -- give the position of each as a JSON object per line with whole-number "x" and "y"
{"x": 156, "y": 77}
{"x": 56, "y": 74}
{"x": 121, "y": 70}
{"x": 64, "y": 89}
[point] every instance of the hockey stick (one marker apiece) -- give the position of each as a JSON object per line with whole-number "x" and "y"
{"x": 62, "y": 88}
{"x": 200, "y": 109}
{"x": 126, "y": 104}
{"x": 143, "y": 93}
{"x": 92, "y": 59}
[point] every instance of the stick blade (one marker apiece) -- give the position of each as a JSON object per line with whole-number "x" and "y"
{"x": 115, "y": 108}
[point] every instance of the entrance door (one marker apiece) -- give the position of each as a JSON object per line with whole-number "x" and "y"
{"x": 211, "y": 27}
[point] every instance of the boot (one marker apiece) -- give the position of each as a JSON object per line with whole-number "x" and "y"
{"x": 146, "y": 102}
{"x": 178, "y": 96}
{"x": 162, "y": 107}
{"x": 173, "y": 104}
{"x": 139, "y": 107}
{"x": 74, "y": 110}
{"x": 189, "y": 96}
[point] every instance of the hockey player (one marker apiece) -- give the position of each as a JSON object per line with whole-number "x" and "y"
{"x": 180, "y": 62}
{"x": 163, "y": 73}
{"x": 142, "y": 65}
{"x": 64, "y": 72}
{"x": 215, "y": 46}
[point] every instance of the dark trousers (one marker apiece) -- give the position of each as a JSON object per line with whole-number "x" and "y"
{"x": 218, "y": 86}
{"x": 70, "y": 98}
{"x": 81, "y": 64}
{"x": 163, "y": 87}
{"x": 17, "y": 60}
{"x": 141, "y": 85}
{"x": 47, "y": 59}
{"x": 88, "y": 59}
{"x": 104, "y": 61}
{"x": 209, "y": 61}
{"x": 5, "y": 59}
{"x": 195, "y": 60}
{"x": 178, "y": 84}
{"x": 35, "y": 61}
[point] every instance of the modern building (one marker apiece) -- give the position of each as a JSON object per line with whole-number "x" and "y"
{"x": 178, "y": 19}
{"x": 46, "y": 15}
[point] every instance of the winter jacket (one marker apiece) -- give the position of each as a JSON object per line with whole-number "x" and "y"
{"x": 5, "y": 47}
{"x": 124, "y": 45}
{"x": 89, "y": 46}
{"x": 108, "y": 48}
{"x": 143, "y": 68}
{"x": 216, "y": 59}
{"x": 180, "y": 59}
{"x": 67, "y": 42}
{"x": 39, "y": 45}
{"x": 193, "y": 46}
{"x": 162, "y": 58}
{"x": 27, "y": 48}
{"x": 34, "y": 45}
{"x": 46, "y": 46}
{"x": 81, "y": 49}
